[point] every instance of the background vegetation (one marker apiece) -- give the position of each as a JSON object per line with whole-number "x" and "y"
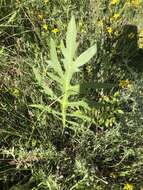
{"x": 79, "y": 134}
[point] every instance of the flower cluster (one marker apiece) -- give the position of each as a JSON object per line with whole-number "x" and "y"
{"x": 124, "y": 83}
{"x": 128, "y": 186}
{"x": 114, "y": 2}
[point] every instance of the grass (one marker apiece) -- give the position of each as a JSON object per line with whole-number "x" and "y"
{"x": 87, "y": 138}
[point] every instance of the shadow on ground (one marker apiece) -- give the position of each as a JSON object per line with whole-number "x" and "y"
{"x": 127, "y": 48}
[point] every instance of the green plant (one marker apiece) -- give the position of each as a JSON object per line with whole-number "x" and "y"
{"x": 63, "y": 72}
{"x": 104, "y": 151}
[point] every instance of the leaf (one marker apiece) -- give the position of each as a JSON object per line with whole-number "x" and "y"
{"x": 71, "y": 40}
{"x": 78, "y": 104}
{"x": 44, "y": 108}
{"x": 12, "y": 18}
{"x": 39, "y": 106}
{"x": 37, "y": 75}
{"x": 54, "y": 59}
{"x": 54, "y": 77}
{"x": 120, "y": 112}
{"x": 80, "y": 115}
{"x": 48, "y": 91}
{"x": 86, "y": 56}
{"x": 63, "y": 48}
{"x": 42, "y": 83}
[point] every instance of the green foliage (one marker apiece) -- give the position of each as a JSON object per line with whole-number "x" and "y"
{"x": 98, "y": 100}
{"x": 63, "y": 77}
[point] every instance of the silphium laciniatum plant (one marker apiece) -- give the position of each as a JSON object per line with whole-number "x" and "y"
{"x": 62, "y": 72}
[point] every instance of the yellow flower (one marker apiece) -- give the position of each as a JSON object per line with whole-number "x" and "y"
{"x": 124, "y": 83}
{"x": 55, "y": 30}
{"x": 45, "y": 1}
{"x": 128, "y": 186}
{"x": 135, "y": 2}
{"x": 16, "y": 92}
{"x": 109, "y": 30}
{"x": 45, "y": 26}
{"x": 82, "y": 27}
{"x": 116, "y": 16}
{"x": 114, "y": 2}
{"x": 40, "y": 16}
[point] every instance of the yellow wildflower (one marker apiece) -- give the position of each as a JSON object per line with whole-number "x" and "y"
{"x": 116, "y": 16}
{"x": 40, "y": 16}
{"x": 55, "y": 30}
{"x": 82, "y": 27}
{"x": 45, "y": 26}
{"x": 135, "y": 3}
{"x": 109, "y": 30}
{"x": 16, "y": 92}
{"x": 128, "y": 186}
{"x": 124, "y": 83}
{"x": 114, "y": 2}
{"x": 45, "y": 1}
